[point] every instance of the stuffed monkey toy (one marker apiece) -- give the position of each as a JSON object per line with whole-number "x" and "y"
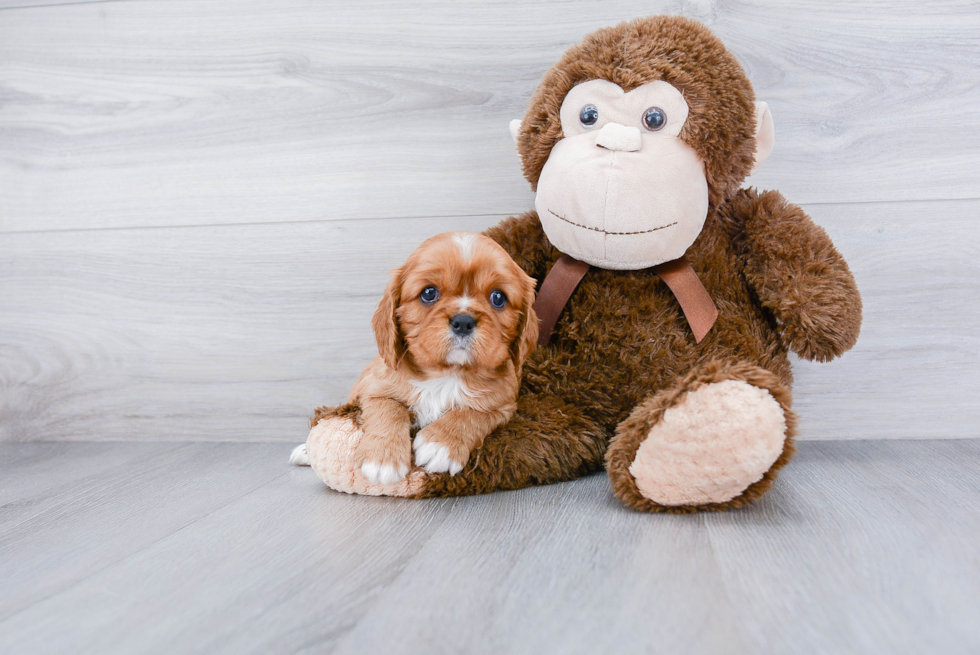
{"x": 668, "y": 296}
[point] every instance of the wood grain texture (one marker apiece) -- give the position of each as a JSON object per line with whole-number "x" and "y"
{"x": 869, "y": 527}
{"x": 861, "y": 547}
{"x": 36, "y": 475}
{"x": 916, "y": 368}
{"x": 24, "y": 4}
{"x": 150, "y": 113}
{"x": 232, "y": 332}
{"x": 87, "y": 524}
{"x": 237, "y": 332}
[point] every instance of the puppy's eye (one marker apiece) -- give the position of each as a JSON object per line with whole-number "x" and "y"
{"x": 654, "y": 119}
{"x": 498, "y": 299}
{"x": 429, "y": 295}
{"x": 589, "y": 115}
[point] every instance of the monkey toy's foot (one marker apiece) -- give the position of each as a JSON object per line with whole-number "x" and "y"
{"x": 713, "y": 441}
{"x": 331, "y": 448}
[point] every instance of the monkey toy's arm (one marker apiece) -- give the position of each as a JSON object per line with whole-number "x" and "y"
{"x": 798, "y": 275}
{"x": 524, "y": 240}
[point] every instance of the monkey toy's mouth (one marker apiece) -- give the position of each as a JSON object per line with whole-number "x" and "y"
{"x": 595, "y": 229}
{"x": 615, "y": 214}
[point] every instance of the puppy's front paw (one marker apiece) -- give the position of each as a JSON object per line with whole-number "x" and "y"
{"x": 299, "y": 456}
{"x": 384, "y": 460}
{"x": 383, "y": 473}
{"x": 435, "y": 457}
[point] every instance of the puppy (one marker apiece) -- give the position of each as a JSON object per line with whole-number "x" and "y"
{"x": 453, "y": 330}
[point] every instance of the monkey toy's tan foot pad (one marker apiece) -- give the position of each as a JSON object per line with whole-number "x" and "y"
{"x": 330, "y": 448}
{"x": 709, "y": 445}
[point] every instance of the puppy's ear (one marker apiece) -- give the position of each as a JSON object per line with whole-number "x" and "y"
{"x": 391, "y": 345}
{"x": 527, "y": 327}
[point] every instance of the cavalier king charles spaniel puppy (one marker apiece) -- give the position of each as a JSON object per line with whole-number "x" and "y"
{"x": 453, "y": 329}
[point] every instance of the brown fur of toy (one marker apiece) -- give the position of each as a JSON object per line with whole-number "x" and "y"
{"x": 721, "y": 123}
{"x": 631, "y": 433}
{"x": 350, "y": 411}
{"x": 623, "y": 339}
{"x": 622, "y": 351}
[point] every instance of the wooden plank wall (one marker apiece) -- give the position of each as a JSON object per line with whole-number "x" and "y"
{"x": 199, "y": 200}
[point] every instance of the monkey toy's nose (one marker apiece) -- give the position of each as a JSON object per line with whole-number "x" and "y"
{"x": 614, "y": 136}
{"x": 462, "y": 324}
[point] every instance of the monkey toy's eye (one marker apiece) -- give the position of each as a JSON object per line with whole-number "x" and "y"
{"x": 429, "y": 295}
{"x": 589, "y": 115}
{"x": 654, "y": 118}
{"x": 498, "y": 299}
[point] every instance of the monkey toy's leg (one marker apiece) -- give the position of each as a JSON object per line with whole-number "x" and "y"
{"x": 546, "y": 441}
{"x": 712, "y": 441}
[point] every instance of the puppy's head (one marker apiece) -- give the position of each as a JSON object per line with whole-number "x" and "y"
{"x": 459, "y": 301}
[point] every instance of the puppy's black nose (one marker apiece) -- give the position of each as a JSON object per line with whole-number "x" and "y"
{"x": 462, "y": 324}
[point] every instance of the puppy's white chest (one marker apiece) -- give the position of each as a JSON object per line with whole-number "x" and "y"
{"x": 435, "y": 396}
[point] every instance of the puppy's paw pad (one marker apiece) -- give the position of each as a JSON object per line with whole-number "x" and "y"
{"x": 383, "y": 473}
{"x": 434, "y": 458}
{"x": 299, "y": 456}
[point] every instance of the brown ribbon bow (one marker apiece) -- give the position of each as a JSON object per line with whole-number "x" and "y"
{"x": 564, "y": 276}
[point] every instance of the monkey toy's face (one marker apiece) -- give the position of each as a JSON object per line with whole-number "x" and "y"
{"x": 622, "y": 190}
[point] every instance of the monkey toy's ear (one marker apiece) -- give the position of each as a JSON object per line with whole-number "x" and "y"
{"x": 765, "y": 134}
{"x": 515, "y": 128}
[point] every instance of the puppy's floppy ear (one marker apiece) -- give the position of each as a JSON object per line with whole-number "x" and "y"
{"x": 527, "y": 326}
{"x": 391, "y": 344}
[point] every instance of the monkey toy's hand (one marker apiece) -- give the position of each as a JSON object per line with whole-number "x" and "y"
{"x": 334, "y": 450}
{"x": 799, "y": 276}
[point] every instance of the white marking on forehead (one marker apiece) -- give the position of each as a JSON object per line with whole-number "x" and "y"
{"x": 434, "y": 397}
{"x": 464, "y": 303}
{"x": 465, "y": 241}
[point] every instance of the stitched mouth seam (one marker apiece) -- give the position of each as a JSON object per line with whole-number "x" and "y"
{"x": 595, "y": 229}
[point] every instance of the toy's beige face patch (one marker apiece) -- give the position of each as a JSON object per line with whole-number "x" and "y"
{"x": 621, "y": 190}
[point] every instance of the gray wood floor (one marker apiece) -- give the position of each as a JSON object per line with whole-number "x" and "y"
{"x": 863, "y": 547}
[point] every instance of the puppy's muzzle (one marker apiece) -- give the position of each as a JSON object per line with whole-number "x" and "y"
{"x": 462, "y": 325}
